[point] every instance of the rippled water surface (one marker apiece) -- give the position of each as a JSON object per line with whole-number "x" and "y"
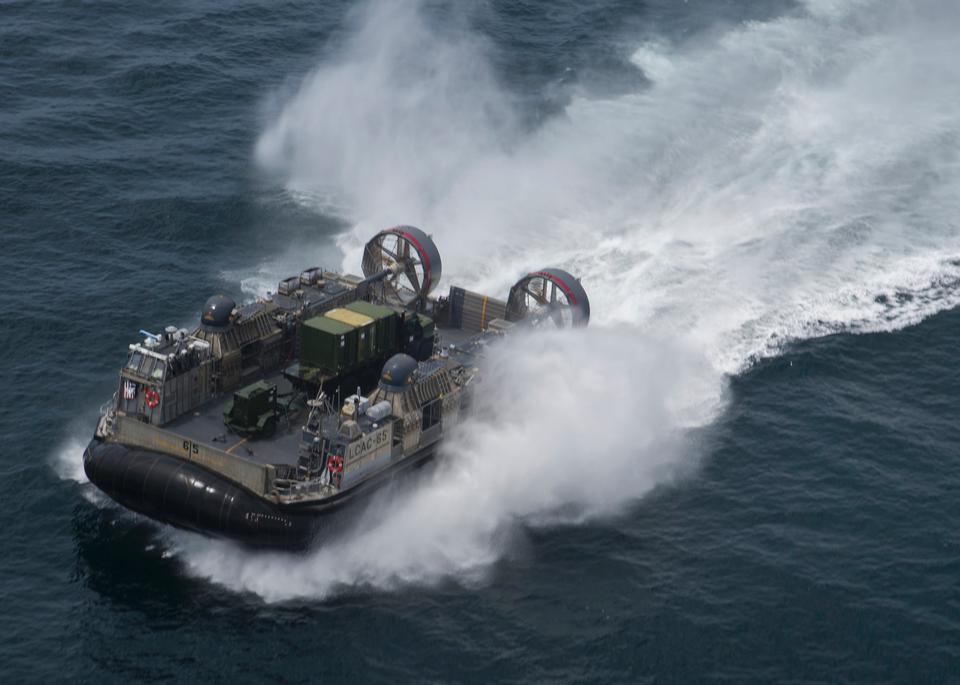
{"x": 745, "y": 470}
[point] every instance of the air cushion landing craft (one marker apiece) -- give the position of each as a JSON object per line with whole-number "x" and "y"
{"x": 269, "y": 420}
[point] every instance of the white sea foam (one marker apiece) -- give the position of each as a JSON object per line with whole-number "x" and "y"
{"x": 68, "y": 460}
{"x": 770, "y": 184}
{"x": 67, "y": 463}
{"x": 785, "y": 179}
{"x": 554, "y": 438}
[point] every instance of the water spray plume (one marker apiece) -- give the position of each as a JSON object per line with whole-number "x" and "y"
{"x": 780, "y": 180}
{"x": 566, "y": 427}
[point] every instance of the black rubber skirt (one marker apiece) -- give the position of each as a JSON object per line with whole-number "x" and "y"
{"x": 188, "y": 496}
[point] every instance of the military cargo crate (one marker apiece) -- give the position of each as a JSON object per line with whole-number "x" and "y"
{"x": 327, "y": 344}
{"x": 428, "y": 326}
{"x": 418, "y": 336}
{"x": 365, "y": 331}
{"x": 385, "y": 325}
{"x": 417, "y": 326}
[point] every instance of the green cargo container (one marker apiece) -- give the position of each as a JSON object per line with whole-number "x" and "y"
{"x": 364, "y": 326}
{"x": 418, "y": 336}
{"x": 428, "y": 326}
{"x": 328, "y": 345}
{"x": 384, "y": 339}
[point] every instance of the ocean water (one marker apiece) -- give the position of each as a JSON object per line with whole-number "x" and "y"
{"x": 745, "y": 470}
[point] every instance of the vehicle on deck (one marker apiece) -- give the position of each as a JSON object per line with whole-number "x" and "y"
{"x": 268, "y": 419}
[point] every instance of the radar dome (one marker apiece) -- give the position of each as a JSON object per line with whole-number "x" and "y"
{"x": 216, "y": 313}
{"x": 399, "y": 373}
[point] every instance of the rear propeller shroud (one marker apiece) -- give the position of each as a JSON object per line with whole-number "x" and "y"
{"x": 411, "y": 258}
{"x": 549, "y": 297}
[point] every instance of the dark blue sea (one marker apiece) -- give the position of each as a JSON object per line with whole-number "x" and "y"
{"x": 746, "y": 470}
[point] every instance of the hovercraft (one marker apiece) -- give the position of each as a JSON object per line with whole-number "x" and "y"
{"x": 269, "y": 420}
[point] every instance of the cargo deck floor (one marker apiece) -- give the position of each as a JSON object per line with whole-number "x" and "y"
{"x": 205, "y": 425}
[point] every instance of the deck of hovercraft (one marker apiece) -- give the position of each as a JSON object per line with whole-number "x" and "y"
{"x": 205, "y": 425}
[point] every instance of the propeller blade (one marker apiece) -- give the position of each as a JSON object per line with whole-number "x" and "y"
{"x": 537, "y": 297}
{"x": 387, "y": 252}
{"x": 411, "y": 272}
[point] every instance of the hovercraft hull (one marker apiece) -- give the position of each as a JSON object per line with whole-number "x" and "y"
{"x": 187, "y": 496}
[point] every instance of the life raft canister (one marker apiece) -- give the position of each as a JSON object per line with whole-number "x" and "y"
{"x": 152, "y": 398}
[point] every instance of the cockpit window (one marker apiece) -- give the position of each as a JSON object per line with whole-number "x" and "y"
{"x": 134, "y": 363}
